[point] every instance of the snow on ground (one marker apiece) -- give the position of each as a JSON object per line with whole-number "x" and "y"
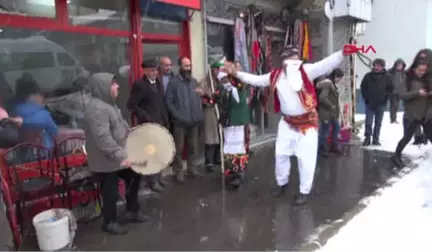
{"x": 400, "y": 217}
{"x": 390, "y": 136}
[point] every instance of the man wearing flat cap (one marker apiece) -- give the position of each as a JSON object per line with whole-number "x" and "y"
{"x": 147, "y": 103}
{"x": 295, "y": 98}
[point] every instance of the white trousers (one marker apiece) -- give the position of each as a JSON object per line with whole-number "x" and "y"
{"x": 289, "y": 142}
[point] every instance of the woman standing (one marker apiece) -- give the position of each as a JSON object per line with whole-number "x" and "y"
{"x": 426, "y": 54}
{"x": 106, "y": 132}
{"x": 416, "y": 94}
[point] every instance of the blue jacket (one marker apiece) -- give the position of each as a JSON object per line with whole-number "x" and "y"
{"x": 37, "y": 117}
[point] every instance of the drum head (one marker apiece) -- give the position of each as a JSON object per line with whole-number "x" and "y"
{"x": 150, "y": 143}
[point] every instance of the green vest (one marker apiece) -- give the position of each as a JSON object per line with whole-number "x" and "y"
{"x": 238, "y": 112}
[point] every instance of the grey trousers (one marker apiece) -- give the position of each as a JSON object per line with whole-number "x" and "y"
{"x": 185, "y": 137}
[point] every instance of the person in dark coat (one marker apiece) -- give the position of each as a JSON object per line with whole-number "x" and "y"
{"x": 329, "y": 111}
{"x": 426, "y": 54}
{"x": 397, "y": 73}
{"x": 376, "y": 88}
{"x": 418, "y": 110}
{"x": 183, "y": 98}
{"x": 147, "y": 104}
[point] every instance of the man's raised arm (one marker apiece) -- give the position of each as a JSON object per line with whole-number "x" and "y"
{"x": 324, "y": 66}
{"x": 254, "y": 80}
{"x": 247, "y": 78}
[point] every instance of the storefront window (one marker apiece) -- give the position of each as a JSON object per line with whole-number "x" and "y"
{"x": 160, "y": 26}
{"x": 60, "y": 64}
{"x": 112, "y": 14}
{"x": 157, "y": 50}
{"x": 34, "y": 8}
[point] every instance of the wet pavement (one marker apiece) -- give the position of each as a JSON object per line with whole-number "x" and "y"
{"x": 201, "y": 216}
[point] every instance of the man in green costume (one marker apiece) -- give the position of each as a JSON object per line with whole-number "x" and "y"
{"x": 233, "y": 98}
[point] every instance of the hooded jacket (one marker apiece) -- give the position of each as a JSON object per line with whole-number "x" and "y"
{"x": 105, "y": 129}
{"x": 398, "y": 77}
{"x": 328, "y": 98}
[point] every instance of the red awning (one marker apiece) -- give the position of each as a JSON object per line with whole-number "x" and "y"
{"x": 191, "y": 4}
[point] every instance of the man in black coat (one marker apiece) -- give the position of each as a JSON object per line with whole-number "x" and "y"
{"x": 147, "y": 104}
{"x": 376, "y": 88}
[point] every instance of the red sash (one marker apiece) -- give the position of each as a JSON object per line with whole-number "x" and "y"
{"x": 307, "y": 94}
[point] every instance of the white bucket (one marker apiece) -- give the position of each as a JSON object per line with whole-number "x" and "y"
{"x": 52, "y": 233}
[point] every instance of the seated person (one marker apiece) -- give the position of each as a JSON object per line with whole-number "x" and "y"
{"x": 30, "y": 106}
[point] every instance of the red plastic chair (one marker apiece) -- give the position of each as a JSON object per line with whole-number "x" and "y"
{"x": 77, "y": 180}
{"x": 31, "y": 176}
{"x": 11, "y": 214}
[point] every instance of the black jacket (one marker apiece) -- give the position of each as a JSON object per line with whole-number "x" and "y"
{"x": 147, "y": 102}
{"x": 376, "y": 87}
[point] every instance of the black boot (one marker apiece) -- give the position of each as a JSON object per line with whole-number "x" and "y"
{"x": 336, "y": 148}
{"x": 367, "y": 141}
{"x": 156, "y": 187}
{"x": 376, "y": 142}
{"x": 417, "y": 140}
{"x": 234, "y": 183}
{"x": 278, "y": 190}
{"x": 209, "y": 168}
{"x": 424, "y": 140}
{"x": 397, "y": 160}
{"x": 301, "y": 199}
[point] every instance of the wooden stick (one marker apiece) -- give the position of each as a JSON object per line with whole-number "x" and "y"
{"x": 221, "y": 141}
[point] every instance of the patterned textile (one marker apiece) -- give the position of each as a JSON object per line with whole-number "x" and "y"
{"x": 303, "y": 122}
{"x": 237, "y": 162}
{"x": 240, "y": 50}
{"x": 307, "y": 94}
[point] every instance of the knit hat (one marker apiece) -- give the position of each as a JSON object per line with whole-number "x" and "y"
{"x": 290, "y": 51}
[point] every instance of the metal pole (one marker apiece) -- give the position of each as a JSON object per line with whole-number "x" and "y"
{"x": 204, "y": 22}
{"x": 330, "y": 27}
{"x": 330, "y": 37}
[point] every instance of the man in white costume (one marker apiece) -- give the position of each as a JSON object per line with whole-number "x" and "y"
{"x": 295, "y": 98}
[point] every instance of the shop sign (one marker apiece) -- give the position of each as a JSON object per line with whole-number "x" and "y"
{"x": 191, "y": 4}
{"x": 349, "y": 49}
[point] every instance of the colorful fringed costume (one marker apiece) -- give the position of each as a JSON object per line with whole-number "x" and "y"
{"x": 233, "y": 99}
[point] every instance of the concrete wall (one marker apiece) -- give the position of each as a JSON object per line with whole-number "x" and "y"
{"x": 399, "y": 29}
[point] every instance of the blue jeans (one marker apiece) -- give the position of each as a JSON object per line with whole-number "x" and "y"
{"x": 374, "y": 114}
{"x": 324, "y": 129}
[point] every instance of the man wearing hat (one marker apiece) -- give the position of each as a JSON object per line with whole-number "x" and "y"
{"x": 211, "y": 129}
{"x": 147, "y": 103}
{"x": 295, "y": 98}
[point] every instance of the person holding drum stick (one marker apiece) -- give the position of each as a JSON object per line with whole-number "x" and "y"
{"x": 106, "y": 132}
